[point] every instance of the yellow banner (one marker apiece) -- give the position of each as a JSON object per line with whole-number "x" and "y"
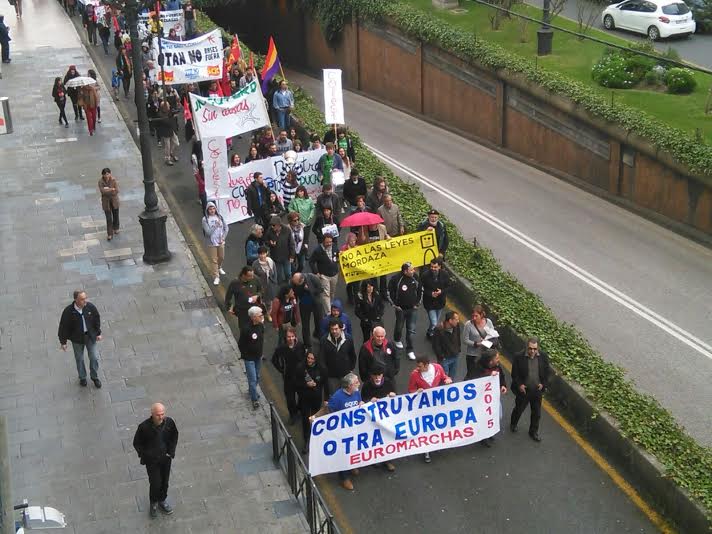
{"x": 387, "y": 256}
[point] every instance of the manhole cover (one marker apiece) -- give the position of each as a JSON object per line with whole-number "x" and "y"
{"x": 199, "y": 304}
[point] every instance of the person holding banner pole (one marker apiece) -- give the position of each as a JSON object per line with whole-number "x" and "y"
{"x": 378, "y": 386}
{"x": 489, "y": 365}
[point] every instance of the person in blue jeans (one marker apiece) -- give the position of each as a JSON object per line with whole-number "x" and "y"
{"x": 345, "y": 397}
{"x": 447, "y": 342}
{"x": 283, "y": 104}
{"x": 81, "y": 324}
{"x": 251, "y": 344}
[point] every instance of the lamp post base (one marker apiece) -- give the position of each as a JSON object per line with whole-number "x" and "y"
{"x": 544, "y": 41}
{"x": 155, "y": 240}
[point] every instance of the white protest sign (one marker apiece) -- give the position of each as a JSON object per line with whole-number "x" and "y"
{"x": 231, "y": 115}
{"x": 170, "y": 20}
{"x": 196, "y": 60}
{"x": 333, "y": 97}
{"x": 229, "y": 188}
{"x": 214, "y": 165}
{"x": 415, "y": 423}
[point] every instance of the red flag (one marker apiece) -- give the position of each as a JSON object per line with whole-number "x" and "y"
{"x": 252, "y": 61}
{"x": 235, "y": 52}
{"x": 115, "y": 22}
{"x": 158, "y": 9}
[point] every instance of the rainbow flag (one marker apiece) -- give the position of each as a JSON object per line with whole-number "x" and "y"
{"x": 271, "y": 66}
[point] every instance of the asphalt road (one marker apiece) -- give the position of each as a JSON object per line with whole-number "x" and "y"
{"x": 651, "y": 266}
{"x": 551, "y": 487}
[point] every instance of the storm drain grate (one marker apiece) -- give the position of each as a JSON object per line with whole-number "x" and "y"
{"x": 199, "y": 304}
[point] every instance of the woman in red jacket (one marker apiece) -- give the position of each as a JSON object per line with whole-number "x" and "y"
{"x": 285, "y": 311}
{"x": 427, "y": 375}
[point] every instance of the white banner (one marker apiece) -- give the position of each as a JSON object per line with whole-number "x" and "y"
{"x": 333, "y": 97}
{"x": 414, "y": 423}
{"x": 171, "y": 20}
{"x": 196, "y": 60}
{"x": 231, "y": 115}
{"x": 229, "y": 188}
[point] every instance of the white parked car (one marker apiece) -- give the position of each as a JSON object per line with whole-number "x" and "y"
{"x": 657, "y": 19}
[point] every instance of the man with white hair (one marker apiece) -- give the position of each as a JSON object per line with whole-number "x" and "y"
{"x": 251, "y": 344}
{"x": 377, "y": 350}
{"x": 155, "y": 442}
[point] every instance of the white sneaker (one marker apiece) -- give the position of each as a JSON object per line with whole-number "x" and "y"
{"x": 399, "y": 344}
{"x": 221, "y": 271}
{"x": 411, "y": 355}
{"x": 99, "y": 121}
{"x": 216, "y": 282}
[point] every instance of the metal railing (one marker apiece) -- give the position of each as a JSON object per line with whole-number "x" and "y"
{"x": 286, "y": 455}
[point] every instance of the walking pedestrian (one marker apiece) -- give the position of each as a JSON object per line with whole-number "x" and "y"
{"x": 18, "y": 8}
{"x": 266, "y": 273}
{"x": 243, "y": 293}
{"x": 92, "y": 74}
{"x": 434, "y": 224}
{"x": 354, "y": 187}
{"x": 369, "y": 307}
{"x": 286, "y": 357}
{"x": 89, "y": 22}
{"x": 189, "y": 17}
{"x": 166, "y": 128}
{"x": 309, "y": 290}
{"x": 81, "y": 324}
{"x": 351, "y": 287}
{"x": 392, "y": 217}
{"x": 289, "y": 187}
{"x": 378, "y": 386}
{"x": 253, "y": 243}
{"x": 328, "y": 163}
{"x": 215, "y": 231}
{"x": 282, "y": 250}
{"x": 273, "y": 207}
{"x": 489, "y": 365}
{"x": 299, "y": 235}
{"x": 378, "y": 192}
{"x": 324, "y": 262}
{"x": 285, "y": 312}
{"x": 311, "y": 388}
{"x": 377, "y": 350}
{"x": 155, "y": 442}
{"x": 435, "y": 287}
{"x": 283, "y": 104}
{"x": 251, "y": 345}
{"x": 336, "y": 312}
{"x": 105, "y": 31}
{"x": 304, "y": 206}
{"x": 116, "y": 84}
{"x": 4, "y": 40}
{"x": 326, "y": 224}
{"x": 109, "y": 189}
{"x": 405, "y": 293}
{"x": 89, "y": 97}
{"x": 530, "y": 378}
{"x": 427, "y": 375}
{"x": 257, "y": 194}
{"x": 59, "y": 94}
{"x": 337, "y": 352}
{"x": 124, "y": 66}
{"x": 73, "y": 92}
{"x": 479, "y": 335}
{"x": 346, "y": 396}
{"x": 447, "y": 343}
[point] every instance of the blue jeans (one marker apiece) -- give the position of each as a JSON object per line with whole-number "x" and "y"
{"x": 407, "y": 318}
{"x": 252, "y": 368}
{"x": 433, "y": 317}
{"x": 189, "y": 28}
{"x": 283, "y": 118}
{"x": 284, "y": 271}
{"x": 450, "y": 366}
{"x": 93, "y": 359}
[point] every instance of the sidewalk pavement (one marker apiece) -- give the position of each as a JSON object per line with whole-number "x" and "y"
{"x": 164, "y": 338}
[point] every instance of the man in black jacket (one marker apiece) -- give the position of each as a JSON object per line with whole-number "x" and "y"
{"x": 337, "y": 354}
{"x": 309, "y": 290}
{"x": 155, "y": 442}
{"x": 324, "y": 262}
{"x": 447, "y": 344}
{"x": 435, "y": 285}
{"x": 243, "y": 292}
{"x": 251, "y": 345}
{"x": 281, "y": 248}
{"x": 405, "y": 293}
{"x": 257, "y": 194}
{"x": 81, "y": 324}
{"x": 286, "y": 357}
{"x": 353, "y": 188}
{"x": 378, "y": 386}
{"x": 434, "y": 224}
{"x": 530, "y": 378}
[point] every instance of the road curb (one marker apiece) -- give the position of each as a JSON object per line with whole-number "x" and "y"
{"x": 640, "y": 468}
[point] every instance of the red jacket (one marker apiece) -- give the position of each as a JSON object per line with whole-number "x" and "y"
{"x": 416, "y": 381}
{"x": 277, "y": 312}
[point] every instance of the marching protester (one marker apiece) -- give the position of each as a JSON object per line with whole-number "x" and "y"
{"x": 59, "y": 94}
{"x": 479, "y": 332}
{"x": 273, "y": 207}
{"x": 377, "y": 194}
{"x": 235, "y": 160}
{"x": 252, "y": 154}
{"x": 351, "y": 287}
{"x": 266, "y": 273}
{"x": 328, "y": 163}
{"x": 489, "y": 365}
{"x": 155, "y": 441}
{"x": 405, "y": 293}
{"x": 286, "y": 358}
{"x": 300, "y": 236}
{"x": 304, "y": 206}
{"x": 377, "y": 350}
{"x": 309, "y": 290}
{"x": 530, "y": 378}
{"x": 446, "y": 343}
{"x": 253, "y": 243}
{"x": 426, "y": 375}
{"x": 166, "y": 128}
{"x": 283, "y": 104}
{"x": 434, "y": 224}
{"x": 435, "y": 285}
{"x": 336, "y": 312}
{"x": 337, "y": 352}
{"x": 347, "y": 164}
{"x": 282, "y": 249}
{"x": 289, "y": 187}
{"x": 310, "y": 380}
{"x": 80, "y": 323}
{"x": 324, "y": 262}
{"x": 369, "y": 307}
{"x": 326, "y": 224}
{"x": 257, "y": 195}
{"x": 215, "y": 231}
{"x": 251, "y": 345}
{"x": 346, "y": 396}
{"x": 378, "y": 386}
{"x": 392, "y": 217}
{"x": 284, "y": 312}
{"x": 354, "y": 187}
{"x": 73, "y": 92}
{"x": 124, "y": 66}
{"x": 109, "y": 189}
{"x": 243, "y": 293}
{"x": 329, "y": 199}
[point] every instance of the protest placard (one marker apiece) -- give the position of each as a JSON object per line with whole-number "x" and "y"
{"x": 191, "y": 61}
{"x": 231, "y": 115}
{"x": 171, "y": 20}
{"x": 415, "y": 423}
{"x": 333, "y": 97}
{"x": 387, "y": 256}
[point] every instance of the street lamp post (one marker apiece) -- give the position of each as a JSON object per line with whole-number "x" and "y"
{"x": 152, "y": 219}
{"x": 545, "y": 35}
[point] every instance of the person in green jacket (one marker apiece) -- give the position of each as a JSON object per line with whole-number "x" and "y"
{"x": 304, "y": 206}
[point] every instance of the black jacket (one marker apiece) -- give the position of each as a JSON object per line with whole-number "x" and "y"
{"x": 352, "y": 190}
{"x": 487, "y": 371}
{"x": 148, "y": 443}
{"x": 520, "y": 370}
{"x": 286, "y": 360}
{"x": 405, "y": 298}
{"x": 324, "y": 263}
{"x": 430, "y": 283}
{"x": 70, "y": 324}
{"x": 340, "y": 360}
{"x": 253, "y": 202}
{"x": 388, "y": 358}
{"x": 283, "y": 249}
{"x": 239, "y": 292}
{"x": 370, "y": 312}
{"x": 440, "y": 234}
{"x": 446, "y": 344}
{"x": 330, "y": 200}
{"x": 317, "y": 373}
{"x": 251, "y": 342}
{"x": 319, "y": 223}
{"x": 370, "y": 390}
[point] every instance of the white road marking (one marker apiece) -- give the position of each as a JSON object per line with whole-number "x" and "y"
{"x": 636, "y": 307}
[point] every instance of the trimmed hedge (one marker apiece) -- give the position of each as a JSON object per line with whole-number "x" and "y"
{"x": 641, "y": 418}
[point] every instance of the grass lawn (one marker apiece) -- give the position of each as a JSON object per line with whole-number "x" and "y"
{"x": 576, "y": 58}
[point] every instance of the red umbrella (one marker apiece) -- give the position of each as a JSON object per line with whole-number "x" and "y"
{"x": 361, "y": 218}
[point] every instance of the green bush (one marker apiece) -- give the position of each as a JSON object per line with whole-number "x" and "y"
{"x": 680, "y": 81}
{"x": 655, "y": 77}
{"x": 612, "y": 71}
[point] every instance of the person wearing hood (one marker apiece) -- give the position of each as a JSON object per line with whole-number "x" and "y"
{"x": 73, "y": 92}
{"x": 489, "y": 365}
{"x": 4, "y": 40}
{"x": 377, "y": 350}
{"x": 336, "y": 312}
{"x": 215, "y": 231}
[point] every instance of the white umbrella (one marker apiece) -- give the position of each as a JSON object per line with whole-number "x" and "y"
{"x": 80, "y": 81}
